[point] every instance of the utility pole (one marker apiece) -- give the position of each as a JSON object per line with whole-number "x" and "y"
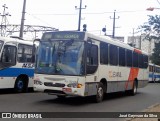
{"x": 80, "y": 9}
{"x": 140, "y": 42}
{"x": 4, "y": 21}
{"x": 133, "y": 39}
{"x": 114, "y": 18}
{"x": 22, "y": 19}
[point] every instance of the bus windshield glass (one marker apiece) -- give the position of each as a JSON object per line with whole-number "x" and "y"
{"x": 60, "y": 57}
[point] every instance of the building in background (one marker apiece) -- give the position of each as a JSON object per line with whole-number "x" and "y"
{"x": 119, "y": 38}
{"x": 141, "y": 43}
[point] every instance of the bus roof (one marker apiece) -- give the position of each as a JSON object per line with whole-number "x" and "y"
{"x": 85, "y": 36}
{"x": 152, "y": 64}
{"x": 8, "y": 39}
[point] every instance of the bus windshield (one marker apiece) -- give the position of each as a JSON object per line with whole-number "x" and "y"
{"x": 64, "y": 57}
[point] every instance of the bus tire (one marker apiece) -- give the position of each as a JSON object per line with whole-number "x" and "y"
{"x": 133, "y": 91}
{"x": 100, "y": 92}
{"x": 20, "y": 85}
{"x": 61, "y": 96}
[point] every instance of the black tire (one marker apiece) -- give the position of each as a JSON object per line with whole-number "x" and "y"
{"x": 61, "y": 96}
{"x": 134, "y": 89}
{"x": 100, "y": 93}
{"x": 20, "y": 85}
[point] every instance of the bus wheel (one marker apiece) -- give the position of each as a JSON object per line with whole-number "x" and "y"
{"x": 61, "y": 96}
{"x": 134, "y": 89}
{"x": 100, "y": 93}
{"x": 20, "y": 85}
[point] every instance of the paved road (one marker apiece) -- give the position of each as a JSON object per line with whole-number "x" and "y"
{"x": 115, "y": 102}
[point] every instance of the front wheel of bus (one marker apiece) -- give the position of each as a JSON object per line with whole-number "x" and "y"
{"x": 20, "y": 85}
{"x": 100, "y": 93}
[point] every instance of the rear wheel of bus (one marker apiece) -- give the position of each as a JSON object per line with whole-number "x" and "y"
{"x": 21, "y": 84}
{"x": 133, "y": 91}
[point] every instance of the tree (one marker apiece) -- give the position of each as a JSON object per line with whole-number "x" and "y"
{"x": 156, "y": 54}
{"x": 152, "y": 28}
{"x": 152, "y": 31}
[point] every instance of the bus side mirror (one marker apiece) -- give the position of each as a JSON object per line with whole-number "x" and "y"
{"x": 34, "y": 49}
{"x": 33, "y": 53}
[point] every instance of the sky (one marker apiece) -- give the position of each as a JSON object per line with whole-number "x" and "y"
{"x": 61, "y": 14}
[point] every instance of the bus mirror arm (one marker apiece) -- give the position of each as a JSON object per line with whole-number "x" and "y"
{"x": 89, "y": 41}
{"x": 36, "y": 40}
{"x": 34, "y": 52}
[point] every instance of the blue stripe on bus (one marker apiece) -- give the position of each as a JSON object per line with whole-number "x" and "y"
{"x": 151, "y": 75}
{"x": 14, "y": 72}
{"x": 154, "y": 75}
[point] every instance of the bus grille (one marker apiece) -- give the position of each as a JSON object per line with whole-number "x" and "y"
{"x": 49, "y": 84}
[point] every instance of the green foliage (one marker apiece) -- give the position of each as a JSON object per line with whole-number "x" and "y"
{"x": 152, "y": 28}
{"x": 152, "y": 31}
{"x": 156, "y": 54}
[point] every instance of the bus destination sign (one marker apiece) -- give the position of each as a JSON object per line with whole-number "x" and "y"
{"x": 63, "y": 35}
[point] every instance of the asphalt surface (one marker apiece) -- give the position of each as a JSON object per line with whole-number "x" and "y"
{"x": 115, "y": 102}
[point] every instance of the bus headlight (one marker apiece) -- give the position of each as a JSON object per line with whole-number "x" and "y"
{"x": 79, "y": 85}
{"x": 37, "y": 82}
{"x": 74, "y": 85}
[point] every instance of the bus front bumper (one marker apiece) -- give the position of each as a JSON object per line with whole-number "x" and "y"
{"x": 59, "y": 91}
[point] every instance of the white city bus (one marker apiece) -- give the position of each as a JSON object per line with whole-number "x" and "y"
{"x": 81, "y": 64}
{"x": 16, "y": 64}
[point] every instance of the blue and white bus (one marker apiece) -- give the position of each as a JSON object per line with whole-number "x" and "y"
{"x": 16, "y": 64}
{"x": 154, "y": 73}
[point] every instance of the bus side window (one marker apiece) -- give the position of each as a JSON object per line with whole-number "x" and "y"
{"x": 135, "y": 59}
{"x": 103, "y": 53}
{"x": 140, "y": 60}
{"x": 145, "y": 62}
{"x": 113, "y": 55}
{"x": 9, "y": 55}
{"x": 122, "y": 55}
{"x": 92, "y": 55}
{"x": 129, "y": 58}
{"x": 24, "y": 53}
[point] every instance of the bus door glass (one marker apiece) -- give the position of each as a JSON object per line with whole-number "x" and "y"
{"x": 91, "y": 58}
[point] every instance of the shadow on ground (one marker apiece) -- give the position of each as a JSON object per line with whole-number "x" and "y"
{"x": 83, "y": 100}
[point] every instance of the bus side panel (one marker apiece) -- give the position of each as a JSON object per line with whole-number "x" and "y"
{"x": 123, "y": 78}
{"x": 90, "y": 88}
{"x": 30, "y": 84}
{"x": 146, "y": 77}
{"x": 7, "y": 82}
{"x": 9, "y": 75}
{"x": 140, "y": 78}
